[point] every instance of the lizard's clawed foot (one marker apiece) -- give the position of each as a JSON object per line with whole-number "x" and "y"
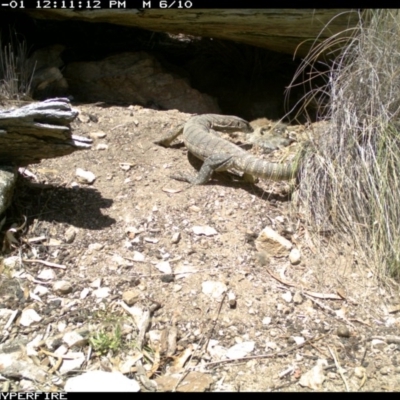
{"x": 182, "y": 177}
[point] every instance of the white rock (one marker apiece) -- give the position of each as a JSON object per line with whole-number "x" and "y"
{"x": 61, "y": 326}
{"x": 359, "y": 372}
{"x": 298, "y": 340}
{"x": 96, "y": 246}
{"x": 119, "y": 260}
{"x": 164, "y": 267}
{"x": 271, "y": 346}
{"x": 101, "y": 381}
{"x": 97, "y": 135}
{"x": 294, "y": 256}
{"x": 183, "y": 270}
{"x": 102, "y": 292}
{"x": 84, "y": 293}
{"x": 139, "y": 257}
{"x": 96, "y": 283}
{"x": 102, "y": 146}
{"x": 11, "y": 262}
{"x": 377, "y": 344}
{"x": 76, "y": 361}
{"x": 176, "y": 237}
{"x": 266, "y": 321}
{"x": 62, "y": 287}
{"x": 204, "y": 230}
{"x": 46, "y": 274}
{"x": 28, "y": 317}
{"x": 54, "y": 242}
{"x": 240, "y": 350}
{"x": 215, "y": 350}
{"x": 40, "y": 290}
{"x": 314, "y": 378}
{"x": 287, "y": 296}
{"x": 70, "y": 234}
{"x": 73, "y": 338}
{"x": 214, "y": 289}
{"x": 85, "y": 176}
{"x": 298, "y": 298}
{"x": 272, "y": 243}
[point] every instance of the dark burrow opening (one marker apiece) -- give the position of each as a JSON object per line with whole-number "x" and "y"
{"x": 246, "y": 81}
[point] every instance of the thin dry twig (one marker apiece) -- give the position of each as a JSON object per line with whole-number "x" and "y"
{"x": 279, "y": 353}
{"x": 338, "y": 368}
{"x": 47, "y": 263}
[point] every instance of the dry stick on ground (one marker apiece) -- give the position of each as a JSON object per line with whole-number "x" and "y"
{"x": 204, "y": 346}
{"x": 49, "y": 264}
{"x": 329, "y": 296}
{"x": 274, "y": 354}
{"x": 142, "y": 326}
{"x": 331, "y": 312}
{"x": 338, "y": 367}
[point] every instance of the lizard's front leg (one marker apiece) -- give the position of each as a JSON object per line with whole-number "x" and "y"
{"x": 216, "y": 162}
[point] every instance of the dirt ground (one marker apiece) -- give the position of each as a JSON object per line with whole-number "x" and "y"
{"x": 324, "y": 324}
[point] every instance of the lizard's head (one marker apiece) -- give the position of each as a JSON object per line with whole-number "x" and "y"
{"x": 237, "y": 125}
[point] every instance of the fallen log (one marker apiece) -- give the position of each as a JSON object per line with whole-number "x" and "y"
{"x": 38, "y": 131}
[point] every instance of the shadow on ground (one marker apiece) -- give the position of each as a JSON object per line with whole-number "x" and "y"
{"x": 80, "y": 207}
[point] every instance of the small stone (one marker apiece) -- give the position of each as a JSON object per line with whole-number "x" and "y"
{"x": 85, "y": 118}
{"x": 232, "y": 300}
{"x": 46, "y": 275}
{"x": 40, "y": 290}
{"x": 177, "y": 288}
{"x": 73, "y": 362}
{"x": 96, "y": 283}
{"x": 167, "y": 278}
{"x": 240, "y": 350}
{"x": 204, "y": 230}
{"x": 97, "y": 135}
{"x": 385, "y": 370}
{"x": 130, "y": 297}
{"x": 271, "y": 243}
{"x": 11, "y": 262}
{"x": 343, "y": 331}
{"x": 176, "y": 237}
{"x": 85, "y": 177}
{"x": 214, "y": 289}
{"x": 96, "y": 246}
{"x": 295, "y": 256}
{"x": 298, "y": 340}
{"x": 138, "y": 257}
{"x": 54, "y": 242}
{"x": 72, "y": 339}
{"x": 266, "y": 321}
{"x": 297, "y": 298}
{"x": 102, "y": 292}
{"x": 164, "y": 267}
{"x": 287, "y": 297}
{"x": 62, "y": 287}
{"x": 102, "y": 146}
{"x": 359, "y": 372}
{"x": 378, "y": 344}
{"x": 84, "y": 293}
{"x": 70, "y": 235}
{"x": 28, "y": 317}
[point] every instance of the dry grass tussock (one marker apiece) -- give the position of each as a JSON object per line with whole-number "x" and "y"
{"x": 16, "y": 71}
{"x": 351, "y": 180}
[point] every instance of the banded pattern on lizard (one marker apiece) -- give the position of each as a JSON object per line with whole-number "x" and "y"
{"x": 219, "y": 154}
